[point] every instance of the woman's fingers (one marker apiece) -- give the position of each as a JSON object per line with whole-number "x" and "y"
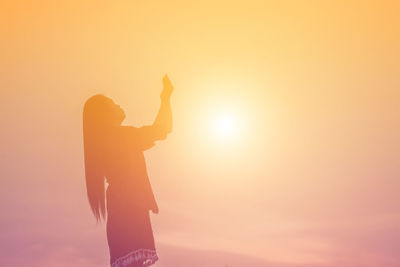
{"x": 167, "y": 84}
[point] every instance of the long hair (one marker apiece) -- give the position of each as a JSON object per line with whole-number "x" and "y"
{"x": 96, "y": 120}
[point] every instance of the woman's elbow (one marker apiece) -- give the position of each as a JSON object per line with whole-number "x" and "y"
{"x": 163, "y": 135}
{"x": 163, "y": 131}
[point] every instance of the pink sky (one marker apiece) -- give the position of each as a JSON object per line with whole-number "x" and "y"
{"x": 311, "y": 181}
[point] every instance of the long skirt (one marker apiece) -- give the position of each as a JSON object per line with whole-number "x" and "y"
{"x": 129, "y": 233}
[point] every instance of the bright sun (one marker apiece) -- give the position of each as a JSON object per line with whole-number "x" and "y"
{"x": 225, "y": 125}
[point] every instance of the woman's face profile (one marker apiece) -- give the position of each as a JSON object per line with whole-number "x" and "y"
{"x": 102, "y": 111}
{"x": 117, "y": 113}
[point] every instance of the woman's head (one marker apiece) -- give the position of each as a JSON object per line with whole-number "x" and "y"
{"x": 101, "y": 111}
{"x": 100, "y": 114}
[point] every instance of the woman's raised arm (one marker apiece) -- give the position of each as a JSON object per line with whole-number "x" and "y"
{"x": 163, "y": 123}
{"x": 144, "y": 137}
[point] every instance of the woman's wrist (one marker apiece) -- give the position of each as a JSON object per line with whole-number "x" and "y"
{"x": 165, "y": 98}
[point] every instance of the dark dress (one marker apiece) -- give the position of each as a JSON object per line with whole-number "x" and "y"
{"x": 129, "y": 198}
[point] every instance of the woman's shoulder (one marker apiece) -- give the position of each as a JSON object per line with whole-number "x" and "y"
{"x": 134, "y": 131}
{"x": 137, "y": 138}
{"x": 126, "y": 130}
{"x": 122, "y": 134}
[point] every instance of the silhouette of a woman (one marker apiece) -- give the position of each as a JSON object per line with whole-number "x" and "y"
{"x": 114, "y": 154}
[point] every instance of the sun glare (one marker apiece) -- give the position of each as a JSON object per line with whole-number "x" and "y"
{"x": 225, "y": 125}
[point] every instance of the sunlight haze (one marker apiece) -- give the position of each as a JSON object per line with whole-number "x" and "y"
{"x": 285, "y": 144}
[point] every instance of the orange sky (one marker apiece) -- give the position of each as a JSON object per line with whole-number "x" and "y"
{"x": 311, "y": 180}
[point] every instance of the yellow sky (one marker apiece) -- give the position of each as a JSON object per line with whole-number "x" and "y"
{"x": 311, "y": 178}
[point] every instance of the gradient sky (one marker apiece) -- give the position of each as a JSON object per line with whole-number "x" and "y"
{"x": 310, "y": 180}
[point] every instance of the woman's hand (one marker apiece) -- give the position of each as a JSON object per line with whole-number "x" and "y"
{"x": 168, "y": 88}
